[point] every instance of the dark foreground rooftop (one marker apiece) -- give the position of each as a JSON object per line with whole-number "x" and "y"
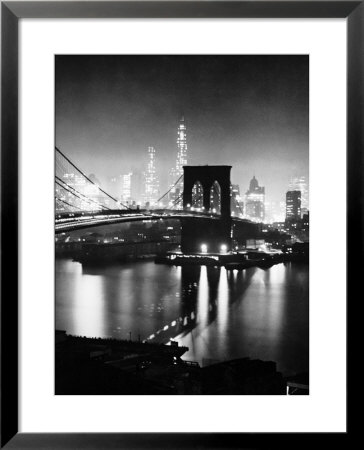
{"x": 92, "y": 366}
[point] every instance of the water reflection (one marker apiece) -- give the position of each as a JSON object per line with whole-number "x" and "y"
{"x": 90, "y": 307}
{"x": 223, "y": 303}
{"x": 203, "y": 299}
{"x": 218, "y": 314}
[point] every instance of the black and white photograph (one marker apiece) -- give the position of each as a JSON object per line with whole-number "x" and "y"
{"x": 181, "y": 224}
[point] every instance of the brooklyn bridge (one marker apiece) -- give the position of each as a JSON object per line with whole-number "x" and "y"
{"x": 201, "y": 224}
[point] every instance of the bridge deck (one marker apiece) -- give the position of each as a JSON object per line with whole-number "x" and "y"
{"x": 72, "y": 222}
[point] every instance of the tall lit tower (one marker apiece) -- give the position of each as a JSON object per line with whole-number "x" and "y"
{"x": 151, "y": 181}
{"x": 254, "y": 201}
{"x": 126, "y": 187}
{"x": 177, "y": 171}
{"x": 181, "y": 147}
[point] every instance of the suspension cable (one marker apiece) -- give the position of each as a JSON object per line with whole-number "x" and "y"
{"x": 64, "y": 201}
{"x": 169, "y": 190}
{"x": 73, "y": 193}
{"x": 80, "y": 193}
{"x": 88, "y": 179}
{"x": 178, "y": 200}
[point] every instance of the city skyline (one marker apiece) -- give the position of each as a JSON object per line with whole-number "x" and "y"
{"x": 247, "y": 111}
{"x": 141, "y": 189}
{"x": 295, "y": 183}
{"x": 257, "y": 208}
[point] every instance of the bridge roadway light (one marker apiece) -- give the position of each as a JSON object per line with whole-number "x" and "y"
{"x": 203, "y": 248}
{"x": 223, "y": 248}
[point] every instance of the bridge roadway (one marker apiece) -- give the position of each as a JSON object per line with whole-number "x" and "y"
{"x": 66, "y": 222}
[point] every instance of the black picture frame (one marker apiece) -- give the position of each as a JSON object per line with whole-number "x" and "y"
{"x": 11, "y": 12}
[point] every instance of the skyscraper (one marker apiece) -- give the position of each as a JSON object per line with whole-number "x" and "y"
{"x": 300, "y": 184}
{"x": 293, "y": 206}
{"x": 181, "y": 147}
{"x": 151, "y": 181}
{"x": 126, "y": 187}
{"x": 254, "y": 201}
{"x": 177, "y": 171}
{"x": 237, "y": 205}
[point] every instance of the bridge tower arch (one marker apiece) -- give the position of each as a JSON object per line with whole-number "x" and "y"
{"x": 197, "y": 195}
{"x": 215, "y": 198}
{"x": 214, "y": 234}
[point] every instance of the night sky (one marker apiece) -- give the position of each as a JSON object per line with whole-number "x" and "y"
{"x": 250, "y": 112}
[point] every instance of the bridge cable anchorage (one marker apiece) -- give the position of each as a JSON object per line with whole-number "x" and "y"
{"x": 67, "y": 186}
{"x": 86, "y": 199}
{"x": 90, "y": 181}
{"x": 66, "y": 203}
{"x": 169, "y": 190}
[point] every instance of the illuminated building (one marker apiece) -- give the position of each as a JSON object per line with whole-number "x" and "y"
{"x": 237, "y": 205}
{"x": 280, "y": 226}
{"x": 254, "y": 201}
{"x": 81, "y": 194}
{"x": 92, "y": 192}
{"x": 126, "y": 187}
{"x": 151, "y": 182}
{"x": 181, "y": 147}
{"x": 306, "y": 222}
{"x": 293, "y": 206}
{"x": 177, "y": 171}
{"x": 129, "y": 187}
{"x": 300, "y": 184}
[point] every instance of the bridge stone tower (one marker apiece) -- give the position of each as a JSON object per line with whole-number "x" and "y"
{"x": 197, "y": 231}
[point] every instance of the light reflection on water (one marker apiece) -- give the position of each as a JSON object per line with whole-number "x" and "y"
{"x": 218, "y": 314}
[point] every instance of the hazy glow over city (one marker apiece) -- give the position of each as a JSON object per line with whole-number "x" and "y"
{"x": 250, "y": 112}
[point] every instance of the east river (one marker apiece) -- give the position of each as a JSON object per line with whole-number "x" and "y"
{"x": 218, "y": 314}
